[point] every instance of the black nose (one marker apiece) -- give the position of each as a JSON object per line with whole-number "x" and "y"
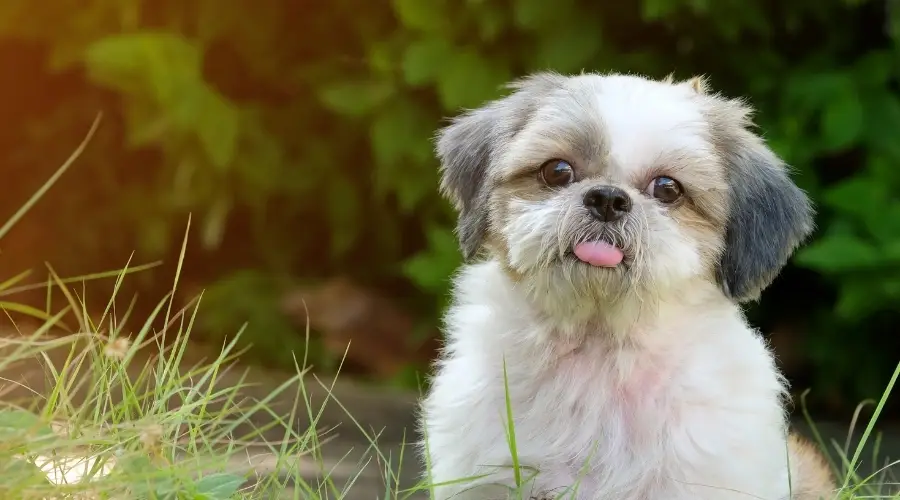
{"x": 607, "y": 203}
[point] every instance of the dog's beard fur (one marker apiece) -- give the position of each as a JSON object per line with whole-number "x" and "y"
{"x": 539, "y": 236}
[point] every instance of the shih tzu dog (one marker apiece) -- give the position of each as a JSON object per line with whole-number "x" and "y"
{"x": 622, "y": 221}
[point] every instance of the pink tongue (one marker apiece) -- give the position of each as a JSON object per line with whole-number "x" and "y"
{"x": 598, "y": 253}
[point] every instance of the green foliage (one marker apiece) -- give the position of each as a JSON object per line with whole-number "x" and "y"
{"x": 22, "y": 426}
{"x": 217, "y": 486}
{"x": 429, "y": 269}
{"x": 860, "y": 244}
{"x": 301, "y": 135}
{"x": 75, "y": 440}
{"x": 251, "y": 299}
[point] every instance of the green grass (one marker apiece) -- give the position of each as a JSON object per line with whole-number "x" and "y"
{"x": 108, "y": 406}
{"x": 113, "y": 415}
{"x": 882, "y": 483}
{"x": 114, "y": 412}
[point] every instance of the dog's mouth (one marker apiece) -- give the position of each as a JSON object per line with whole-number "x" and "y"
{"x": 599, "y": 253}
{"x": 602, "y": 252}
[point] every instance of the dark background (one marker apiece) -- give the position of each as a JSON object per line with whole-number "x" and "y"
{"x": 297, "y": 136}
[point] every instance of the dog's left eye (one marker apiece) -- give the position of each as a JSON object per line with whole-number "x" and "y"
{"x": 557, "y": 173}
{"x": 665, "y": 189}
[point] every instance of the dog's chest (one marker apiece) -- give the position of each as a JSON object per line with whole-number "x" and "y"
{"x": 610, "y": 401}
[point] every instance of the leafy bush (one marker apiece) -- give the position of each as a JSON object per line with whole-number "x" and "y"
{"x": 299, "y": 134}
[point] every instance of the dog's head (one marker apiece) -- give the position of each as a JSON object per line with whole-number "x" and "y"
{"x": 597, "y": 186}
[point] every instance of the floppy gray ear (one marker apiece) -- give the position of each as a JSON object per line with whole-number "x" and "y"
{"x": 464, "y": 148}
{"x": 769, "y": 216}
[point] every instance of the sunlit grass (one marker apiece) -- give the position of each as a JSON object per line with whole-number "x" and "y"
{"x": 119, "y": 415}
{"x": 882, "y": 481}
{"x": 116, "y": 412}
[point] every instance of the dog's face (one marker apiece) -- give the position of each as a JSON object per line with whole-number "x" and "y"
{"x": 600, "y": 186}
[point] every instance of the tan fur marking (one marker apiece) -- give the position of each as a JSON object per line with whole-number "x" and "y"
{"x": 811, "y": 477}
{"x": 707, "y": 233}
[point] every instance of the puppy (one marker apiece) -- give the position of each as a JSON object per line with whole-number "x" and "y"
{"x": 621, "y": 222}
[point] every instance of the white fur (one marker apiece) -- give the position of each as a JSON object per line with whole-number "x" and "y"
{"x": 642, "y": 384}
{"x": 687, "y": 408}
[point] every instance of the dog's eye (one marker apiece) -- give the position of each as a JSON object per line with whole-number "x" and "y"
{"x": 665, "y": 189}
{"x": 557, "y": 173}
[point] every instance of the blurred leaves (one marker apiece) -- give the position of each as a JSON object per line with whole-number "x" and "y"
{"x": 842, "y": 119}
{"x": 468, "y": 79}
{"x": 18, "y": 425}
{"x": 249, "y": 300}
{"x": 422, "y": 15}
{"x": 355, "y": 98}
{"x": 166, "y": 69}
{"x": 424, "y": 58}
{"x": 157, "y": 63}
{"x": 569, "y": 51}
{"x": 218, "y": 486}
{"x": 431, "y": 269}
{"x": 148, "y": 480}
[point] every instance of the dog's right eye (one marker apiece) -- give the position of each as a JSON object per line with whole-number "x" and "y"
{"x": 556, "y": 173}
{"x": 665, "y": 189}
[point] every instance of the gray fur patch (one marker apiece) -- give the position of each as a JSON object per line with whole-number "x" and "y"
{"x": 466, "y": 147}
{"x": 769, "y": 217}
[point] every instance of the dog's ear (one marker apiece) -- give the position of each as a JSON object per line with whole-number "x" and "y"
{"x": 769, "y": 216}
{"x": 466, "y": 148}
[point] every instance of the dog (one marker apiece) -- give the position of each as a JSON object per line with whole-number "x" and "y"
{"x": 613, "y": 225}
